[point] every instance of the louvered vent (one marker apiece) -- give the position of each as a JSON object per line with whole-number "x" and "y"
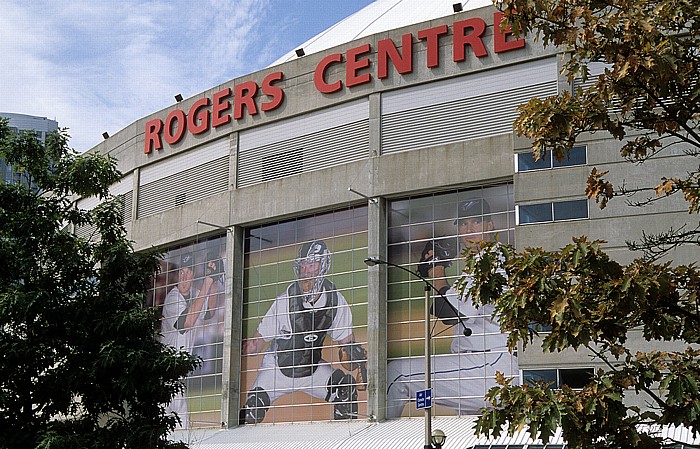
{"x": 314, "y": 141}
{"x": 472, "y": 106}
{"x": 126, "y": 205}
{"x": 594, "y": 70}
{"x": 87, "y": 232}
{"x": 184, "y": 187}
{"x": 456, "y": 121}
{"x": 184, "y": 178}
{"x": 282, "y": 164}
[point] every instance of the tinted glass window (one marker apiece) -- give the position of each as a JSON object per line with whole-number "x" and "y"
{"x": 535, "y": 213}
{"x": 530, "y": 377}
{"x": 577, "y": 156}
{"x": 526, "y": 161}
{"x": 575, "y": 378}
{"x": 570, "y": 210}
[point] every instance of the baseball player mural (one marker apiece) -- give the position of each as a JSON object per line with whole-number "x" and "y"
{"x": 293, "y": 332}
{"x": 478, "y": 348}
{"x": 184, "y": 308}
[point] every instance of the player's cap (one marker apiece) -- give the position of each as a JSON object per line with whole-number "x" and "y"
{"x": 473, "y": 208}
{"x": 186, "y": 260}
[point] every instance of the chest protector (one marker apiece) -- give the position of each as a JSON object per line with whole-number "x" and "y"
{"x": 298, "y": 355}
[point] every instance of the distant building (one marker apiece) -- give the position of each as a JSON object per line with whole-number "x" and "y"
{"x": 22, "y": 122}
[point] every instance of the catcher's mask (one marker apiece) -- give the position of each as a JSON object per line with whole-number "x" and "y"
{"x": 311, "y": 253}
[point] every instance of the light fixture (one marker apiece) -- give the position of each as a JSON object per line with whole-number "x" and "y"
{"x": 438, "y": 438}
{"x": 457, "y": 7}
{"x": 105, "y": 135}
{"x": 433, "y": 440}
{"x": 299, "y": 52}
{"x": 178, "y": 97}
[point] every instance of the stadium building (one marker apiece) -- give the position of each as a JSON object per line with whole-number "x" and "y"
{"x": 372, "y": 139}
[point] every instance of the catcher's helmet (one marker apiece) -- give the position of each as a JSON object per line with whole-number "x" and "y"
{"x": 314, "y": 251}
{"x": 473, "y": 208}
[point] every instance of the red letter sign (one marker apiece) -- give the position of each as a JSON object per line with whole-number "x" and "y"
{"x": 432, "y": 38}
{"x": 320, "y": 73}
{"x": 473, "y": 39}
{"x": 500, "y": 42}
{"x": 153, "y": 129}
{"x": 386, "y": 49}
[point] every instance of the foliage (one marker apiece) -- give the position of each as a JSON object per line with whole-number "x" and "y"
{"x": 588, "y": 301}
{"x": 648, "y": 97}
{"x": 80, "y": 364}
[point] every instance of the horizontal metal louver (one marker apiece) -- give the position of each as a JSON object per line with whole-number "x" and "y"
{"x": 184, "y": 187}
{"x": 455, "y": 121}
{"x": 126, "y": 203}
{"x": 594, "y": 70}
{"x": 87, "y": 232}
{"x": 322, "y": 149}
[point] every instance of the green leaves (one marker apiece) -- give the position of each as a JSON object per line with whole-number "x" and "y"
{"x": 76, "y": 341}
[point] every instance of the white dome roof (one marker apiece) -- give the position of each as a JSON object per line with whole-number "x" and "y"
{"x": 379, "y": 16}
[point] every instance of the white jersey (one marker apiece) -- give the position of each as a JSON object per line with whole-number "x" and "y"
{"x": 173, "y": 306}
{"x": 486, "y": 331}
{"x": 277, "y": 323}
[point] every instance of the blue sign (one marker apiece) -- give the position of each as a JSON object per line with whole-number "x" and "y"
{"x": 424, "y": 399}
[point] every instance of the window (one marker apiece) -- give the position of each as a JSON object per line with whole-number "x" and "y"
{"x": 555, "y": 211}
{"x": 575, "y": 378}
{"x": 463, "y": 366}
{"x": 189, "y": 274}
{"x": 304, "y": 298}
{"x": 527, "y": 162}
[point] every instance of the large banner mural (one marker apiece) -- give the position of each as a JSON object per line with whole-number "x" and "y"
{"x": 189, "y": 292}
{"x": 427, "y": 235}
{"x": 305, "y": 319}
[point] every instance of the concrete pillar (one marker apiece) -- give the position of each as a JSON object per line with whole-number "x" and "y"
{"x": 376, "y": 310}
{"x": 230, "y": 400}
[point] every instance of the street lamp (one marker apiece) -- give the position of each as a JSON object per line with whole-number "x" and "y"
{"x": 432, "y": 439}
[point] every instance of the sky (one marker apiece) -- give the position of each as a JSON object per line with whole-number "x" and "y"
{"x": 97, "y": 66}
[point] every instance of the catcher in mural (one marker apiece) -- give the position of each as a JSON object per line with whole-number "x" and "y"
{"x": 294, "y": 330}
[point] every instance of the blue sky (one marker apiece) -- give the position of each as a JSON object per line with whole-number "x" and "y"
{"x": 98, "y": 66}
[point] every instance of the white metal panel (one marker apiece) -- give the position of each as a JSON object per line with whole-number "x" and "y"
{"x": 458, "y": 120}
{"x": 124, "y": 185}
{"x": 197, "y": 156}
{"x": 312, "y": 151}
{"x": 304, "y": 124}
{"x": 184, "y": 187}
{"x": 473, "y": 85}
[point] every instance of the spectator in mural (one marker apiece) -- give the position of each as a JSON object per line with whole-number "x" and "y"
{"x": 294, "y": 330}
{"x": 185, "y": 307}
{"x": 479, "y": 349}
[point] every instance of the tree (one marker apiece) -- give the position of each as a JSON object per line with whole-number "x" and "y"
{"x": 80, "y": 362}
{"x": 648, "y": 97}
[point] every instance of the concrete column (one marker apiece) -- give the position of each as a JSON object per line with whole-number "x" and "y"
{"x": 376, "y": 310}
{"x": 233, "y": 161}
{"x": 135, "y": 178}
{"x": 230, "y": 400}
{"x": 375, "y": 124}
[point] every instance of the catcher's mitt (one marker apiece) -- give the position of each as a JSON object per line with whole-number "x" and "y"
{"x": 436, "y": 252}
{"x": 354, "y": 357}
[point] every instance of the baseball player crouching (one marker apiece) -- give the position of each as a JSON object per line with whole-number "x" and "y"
{"x": 479, "y": 349}
{"x": 294, "y": 330}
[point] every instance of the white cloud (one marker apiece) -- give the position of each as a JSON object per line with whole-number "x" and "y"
{"x": 98, "y": 66}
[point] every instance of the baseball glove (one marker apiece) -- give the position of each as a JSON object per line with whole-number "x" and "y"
{"x": 354, "y": 357}
{"x": 215, "y": 271}
{"x": 436, "y": 252}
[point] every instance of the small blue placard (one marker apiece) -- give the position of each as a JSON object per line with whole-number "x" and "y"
{"x": 424, "y": 399}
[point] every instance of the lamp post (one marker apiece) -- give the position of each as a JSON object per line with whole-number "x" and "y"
{"x": 437, "y": 439}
